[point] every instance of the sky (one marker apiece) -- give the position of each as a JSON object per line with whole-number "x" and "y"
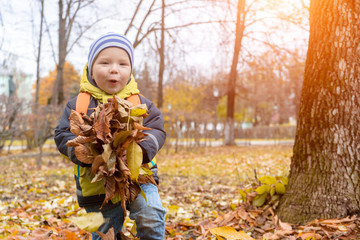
{"x": 18, "y": 36}
{"x": 19, "y": 25}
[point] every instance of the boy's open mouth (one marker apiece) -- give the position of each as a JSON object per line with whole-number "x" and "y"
{"x": 113, "y": 81}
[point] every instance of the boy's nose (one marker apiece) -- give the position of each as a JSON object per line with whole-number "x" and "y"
{"x": 114, "y": 68}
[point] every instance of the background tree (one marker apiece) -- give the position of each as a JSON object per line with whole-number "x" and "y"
{"x": 39, "y": 55}
{"x": 68, "y": 12}
{"x": 71, "y": 84}
{"x": 245, "y": 32}
{"x": 324, "y": 176}
{"x": 239, "y": 33}
{"x": 10, "y": 109}
{"x": 146, "y": 84}
{"x": 182, "y": 108}
{"x": 161, "y": 50}
{"x": 152, "y": 28}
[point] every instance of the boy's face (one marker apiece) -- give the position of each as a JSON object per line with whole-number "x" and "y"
{"x": 111, "y": 69}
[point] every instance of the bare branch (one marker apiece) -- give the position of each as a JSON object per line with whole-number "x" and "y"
{"x": 272, "y": 46}
{"x": 143, "y": 21}
{"x": 79, "y": 35}
{"x": 258, "y": 20}
{"x": 133, "y": 17}
{"x": 293, "y": 21}
{"x": 50, "y": 39}
{"x": 138, "y": 41}
{"x": 71, "y": 21}
{"x": 191, "y": 24}
{"x": 304, "y": 5}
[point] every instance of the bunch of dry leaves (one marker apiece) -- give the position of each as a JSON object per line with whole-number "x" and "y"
{"x": 108, "y": 140}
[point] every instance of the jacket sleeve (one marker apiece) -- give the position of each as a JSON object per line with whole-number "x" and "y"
{"x": 63, "y": 135}
{"x": 157, "y": 134}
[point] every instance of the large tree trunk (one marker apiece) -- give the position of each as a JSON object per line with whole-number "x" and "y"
{"x": 240, "y": 26}
{"x": 324, "y": 176}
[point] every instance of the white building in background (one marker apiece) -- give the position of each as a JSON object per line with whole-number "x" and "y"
{"x": 7, "y": 86}
{"x": 14, "y": 83}
{"x": 24, "y": 87}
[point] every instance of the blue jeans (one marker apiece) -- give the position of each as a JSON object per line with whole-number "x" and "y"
{"x": 149, "y": 216}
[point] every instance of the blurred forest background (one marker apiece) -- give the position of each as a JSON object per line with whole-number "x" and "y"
{"x": 220, "y": 71}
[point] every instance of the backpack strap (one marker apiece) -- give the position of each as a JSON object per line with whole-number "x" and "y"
{"x": 82, "y": 102}
{"x": 134, "y": 99}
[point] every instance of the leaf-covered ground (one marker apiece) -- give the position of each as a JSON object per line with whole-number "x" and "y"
{"x": 200, "y": 190}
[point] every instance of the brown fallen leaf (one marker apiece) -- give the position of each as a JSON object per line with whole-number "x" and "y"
{"x": 75, "y": 120}
{"x": 79, "y": 140}
{"x": 284, "y": 226}
{"x": 98, "y": 161}
{"x": 83, "y": 154}
{"x": 230, "y": 233}
{"x": 139, "y": 126}
{"x": 307, "y": 235}
{"x": 110, "y": 235}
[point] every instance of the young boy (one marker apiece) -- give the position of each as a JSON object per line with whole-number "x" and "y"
{"x": 108, "y": 73}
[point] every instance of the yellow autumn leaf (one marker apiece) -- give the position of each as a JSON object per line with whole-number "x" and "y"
{"x": 230, "y": 233}
{"x": 89, "y": 221}
{"x": 284, "y": 180}
{"x": 133, "y": 229}
{"x": 259, "y": 200}
{"x": 120, "y": 138}
{"x": 145, "y": 171}
{"x": 263, "y": 189}
{"x": 280, "y": 188}
{"x": 269, "y": 180}
{"x": 173, "y": 209}
{"x": 69, "y": 213}
{"x": 134, "y": 157}
{"x": 137, "y": 112}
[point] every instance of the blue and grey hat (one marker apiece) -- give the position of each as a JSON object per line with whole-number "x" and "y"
{"x": 109, "y": 40}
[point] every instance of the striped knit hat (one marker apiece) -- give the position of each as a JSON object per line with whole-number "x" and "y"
{"x": 109, "y": 40}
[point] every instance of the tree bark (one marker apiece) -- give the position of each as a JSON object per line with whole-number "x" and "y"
{"x": 324, "y": 176}
{"x": 240, "y": 26}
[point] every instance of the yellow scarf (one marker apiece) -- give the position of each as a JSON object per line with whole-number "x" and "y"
{"x": 100, "y": 95}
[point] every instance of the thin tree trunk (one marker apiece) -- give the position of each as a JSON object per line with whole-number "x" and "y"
{"x": 240, "y": 23}
{"x": 38, "y": 59}
{"x": 58, "y": 95}
{"x": 162, "y": 57}
{"x": 39, "y": 157}
{"x": 177, "y": 135}
{"x": 324, "y": 179}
